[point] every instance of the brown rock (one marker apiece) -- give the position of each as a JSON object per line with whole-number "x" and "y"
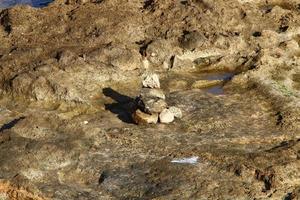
{"x": 140, "y": 117}
{"x": 4, "y": 137}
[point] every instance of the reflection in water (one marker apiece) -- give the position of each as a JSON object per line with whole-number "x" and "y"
{"x": 184, "y": 81}
{"x": 220, "y": 76}
{"x": 218, "y": 89}
{"x": 33, "y": 3}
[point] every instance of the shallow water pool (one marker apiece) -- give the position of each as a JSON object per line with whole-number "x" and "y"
{"x": 33, "y": 3}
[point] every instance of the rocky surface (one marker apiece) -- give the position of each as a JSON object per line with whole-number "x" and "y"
{"x": 75, "y": 62}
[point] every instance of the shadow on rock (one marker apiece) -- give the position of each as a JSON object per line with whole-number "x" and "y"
{"x": 124, "y": 106}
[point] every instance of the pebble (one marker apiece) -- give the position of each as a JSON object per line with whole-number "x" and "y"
{"x": 151, "y": 81}
{"x": 176, "y": 111}
{"x": 140, "y": 117}
{"x": 166, "y": 116}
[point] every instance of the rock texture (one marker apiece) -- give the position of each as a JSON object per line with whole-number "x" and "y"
{"x": 176, "y": 111}
{"x": 151, "y": 81}
{"x": 82, "y": 60}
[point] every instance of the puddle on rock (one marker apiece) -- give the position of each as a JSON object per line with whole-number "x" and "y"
{"x": 33, "y": 3}
{"x": 213, "y": 82}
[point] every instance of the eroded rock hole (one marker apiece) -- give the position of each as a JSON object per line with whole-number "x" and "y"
{"x": 256, "y": 34}
{"x": 103, "y": 176}
{"x": 97, "y": 1}
{"x": 149, "y": 5}
{"x": 5, "y": 22}
{"x": 267, "y": 177}
{"x": 184, "y": 2}
{"x": 283, "y": 29}
{"x": 143, "y": 46}
{"x": 279, "y": 120}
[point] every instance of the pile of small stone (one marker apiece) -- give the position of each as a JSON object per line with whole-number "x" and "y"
{"x": 151, "y": 104}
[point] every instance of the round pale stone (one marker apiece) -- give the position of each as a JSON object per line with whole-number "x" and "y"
{"x": 166, "y": 116}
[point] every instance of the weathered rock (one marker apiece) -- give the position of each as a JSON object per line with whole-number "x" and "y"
{"x": 140, "y": 117}
{"x": 166, "y": 116}
{"x": 206, "y": 61}
{"x": 159, "y": 53}
{"x": 205, "y": 83}
{"x": 192, "y": 40}
{"x": 151, "y": 81}
{"x": 151, "y": 105}
{"x": 176, "y": 111}
{"x": 4, "y": 137}
{"x": 125, "y": 59}
{"x": 182, "y": 64}
{"x": 152, "y": 93}
{"x": 66, "y": 57}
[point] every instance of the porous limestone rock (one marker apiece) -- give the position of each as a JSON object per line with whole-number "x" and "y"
{"x": 151, "y": 81}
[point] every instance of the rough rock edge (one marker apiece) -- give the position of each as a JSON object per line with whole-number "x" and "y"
{"x": 16, "y": 193}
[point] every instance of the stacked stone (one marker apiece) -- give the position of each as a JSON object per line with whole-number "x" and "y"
{"x": 151, "y": 104}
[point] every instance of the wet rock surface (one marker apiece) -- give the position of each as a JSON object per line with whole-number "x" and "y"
{"x": 70, "y": 72}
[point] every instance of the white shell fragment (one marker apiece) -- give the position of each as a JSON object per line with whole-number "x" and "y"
{"x": 191, "y": 160}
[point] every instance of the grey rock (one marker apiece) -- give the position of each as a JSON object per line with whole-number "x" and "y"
{"x": 151, "y": 105}
{"x": 192, "y": 40}
{"x": 176, "y": 111}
